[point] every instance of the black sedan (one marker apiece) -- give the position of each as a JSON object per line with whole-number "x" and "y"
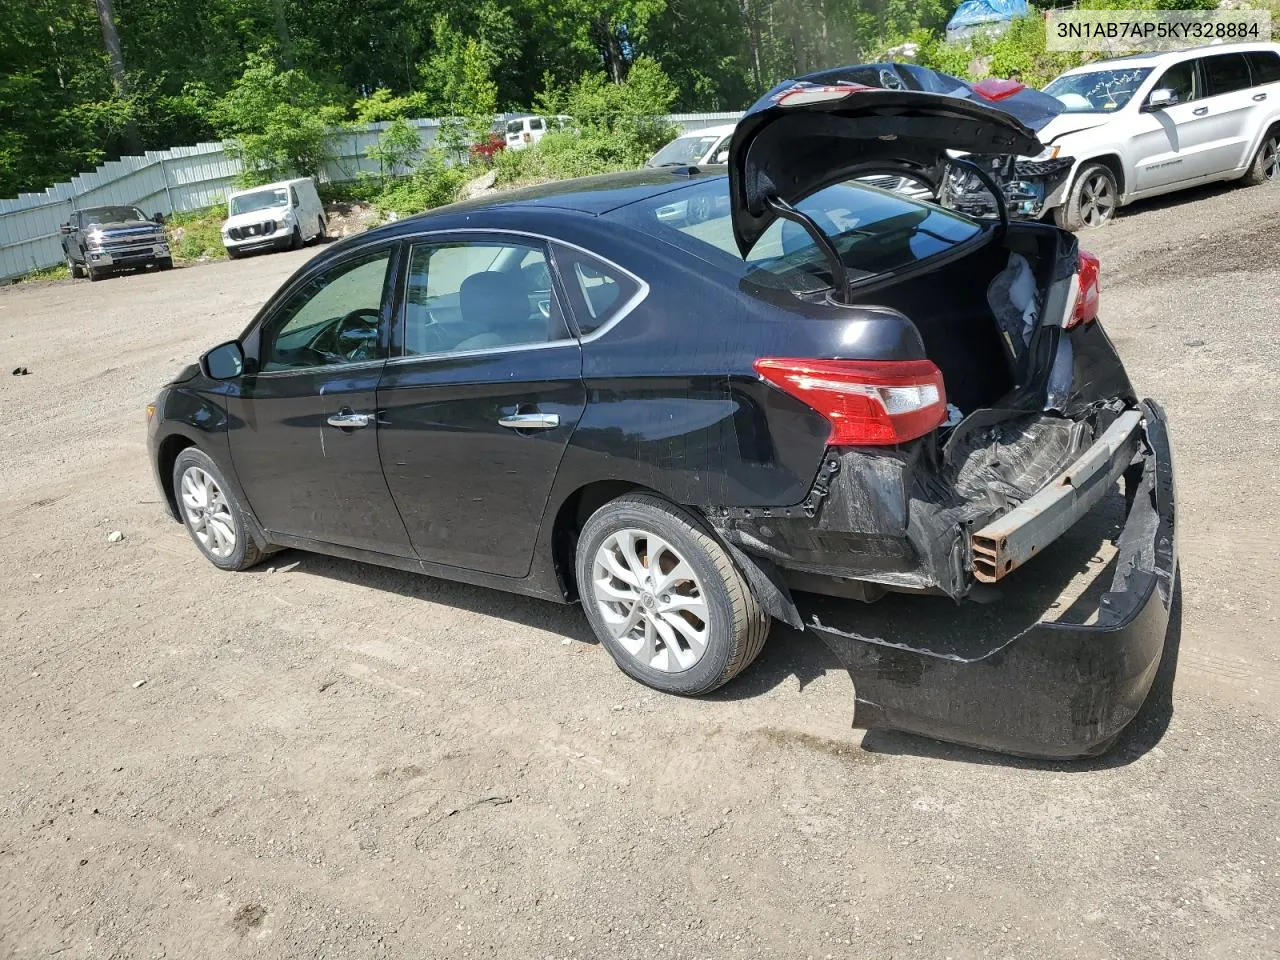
{"x": 823, "y": 387}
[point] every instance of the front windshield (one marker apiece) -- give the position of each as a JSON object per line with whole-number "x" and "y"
{"x": 259, "y": 200}
{"x": 875, "y": 231}
{"x": 99, "y": 215}
{"x": 1099, "y": 91}
{"x": 686, "y": 150}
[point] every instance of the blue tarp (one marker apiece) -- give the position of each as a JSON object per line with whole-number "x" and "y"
{"x": 972, "y": 13}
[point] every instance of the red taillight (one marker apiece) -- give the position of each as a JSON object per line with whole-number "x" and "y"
{"x": 1086, "y": 306}
{"x": 868, "y": 402}
{"x": 995, "y": 88}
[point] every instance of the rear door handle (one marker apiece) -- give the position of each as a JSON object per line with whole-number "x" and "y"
{"x": 531, "y": 421}
{"x": 346, "y": 420}
{"x": 1259, "y": 97}
{"x": 1200, "y": 111}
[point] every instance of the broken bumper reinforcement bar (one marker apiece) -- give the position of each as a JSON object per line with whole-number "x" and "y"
{"x": 1055, "y": 688}
{"x": 1011, "y": 540}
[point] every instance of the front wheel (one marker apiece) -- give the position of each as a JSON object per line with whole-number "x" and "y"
{"x": 1266, "y": 162}
{"x": 1092, "y": 201}
{"x": 74, "y": 268}
{"x": 166, "y": 263}
{"x": 295, "y": 239}
{"x": 211, "y": 514}
{"x": 95, "y": 275}
{"x": 665, "y": 598}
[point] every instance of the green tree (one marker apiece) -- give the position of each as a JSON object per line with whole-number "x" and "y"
{"x": 279, "y": 122}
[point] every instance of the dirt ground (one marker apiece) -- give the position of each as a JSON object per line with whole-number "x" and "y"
{"x": 320, "y": 759}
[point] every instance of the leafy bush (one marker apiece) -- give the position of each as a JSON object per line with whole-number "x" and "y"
{"x": 631, "y": 113}
{"x": 433, "y": 184}
{"x": 197, "y": 234}
{"x": 395, "y": 148}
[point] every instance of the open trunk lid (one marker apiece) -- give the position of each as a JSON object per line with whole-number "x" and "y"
{"x": 809, "y": 133}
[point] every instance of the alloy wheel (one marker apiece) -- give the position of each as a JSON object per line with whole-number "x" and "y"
{"x": 1271, "y": 159}
{"x": 208, "y": 513}
{"x": 651, "y": 600}
{"x": 1097, "y": 200}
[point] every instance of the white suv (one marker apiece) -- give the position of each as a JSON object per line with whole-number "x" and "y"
{"x": 1151, "y": 124}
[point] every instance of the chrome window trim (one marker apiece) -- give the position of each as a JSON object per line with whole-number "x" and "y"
{"x": 642, "y": 291}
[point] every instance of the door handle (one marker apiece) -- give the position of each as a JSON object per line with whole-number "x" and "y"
{"x": 1199, "y": 111}
{"x": 1259, "y": 97}
{"x": 346, "y": 420}
{"x": 530, "y": 421}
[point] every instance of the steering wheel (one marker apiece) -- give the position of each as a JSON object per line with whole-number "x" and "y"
{"x": 355, "y": 335}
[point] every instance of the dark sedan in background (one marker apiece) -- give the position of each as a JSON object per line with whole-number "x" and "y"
{"x": 824, "y": 388}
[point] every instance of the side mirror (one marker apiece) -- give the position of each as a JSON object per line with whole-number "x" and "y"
{"x": 223, "y": 362}
{"x": 66, "y": 228}
{"x": 158, "y": 218}
{"x": 722, "y": 156}
{"x": 1159, "y": 99}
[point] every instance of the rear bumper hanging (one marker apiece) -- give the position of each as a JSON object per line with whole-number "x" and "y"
{"x": 1056, "y": 689}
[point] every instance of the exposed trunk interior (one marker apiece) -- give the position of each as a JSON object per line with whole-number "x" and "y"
{"x": 950, "y": 307}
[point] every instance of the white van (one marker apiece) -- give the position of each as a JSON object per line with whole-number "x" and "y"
{"x": 277, "y": 216}
{"x": 522, "y": 131}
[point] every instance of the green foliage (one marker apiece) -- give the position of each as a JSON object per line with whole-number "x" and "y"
{"x": 395, "y": 148}
{"x": 383, "y": 105}
{"x": 197, "y": 234}
{"x": 57, "y": 272}
{"x": 627, "y": 117}
{"x": 279, "y": 122}
{"x": 434, "y": 183}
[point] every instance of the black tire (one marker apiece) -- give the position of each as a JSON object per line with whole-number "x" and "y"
{"x": 166, "y": 263}
{"x": 95, "y": 275}
{"x": 295, "y": 239}
{"x": 1092, "y": 201}
{"x": 322, "y": 231}
{"x": 233, "y": 253}
{"x": 76, "y": 270}
{"x": 244, "y": 553}
{"x": 1266, "y": 162}
{"x": 736, "y": 626}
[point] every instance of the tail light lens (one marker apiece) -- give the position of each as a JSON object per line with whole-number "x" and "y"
{"x": 867, "y": 402}
{"x": 1086, "y": 305}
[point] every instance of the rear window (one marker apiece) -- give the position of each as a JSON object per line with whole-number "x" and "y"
{"x": 1265, "y": 65}
{"x": 876, "y": 232}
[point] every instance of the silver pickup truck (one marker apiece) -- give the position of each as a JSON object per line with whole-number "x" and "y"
{"x": 98, "y": 241}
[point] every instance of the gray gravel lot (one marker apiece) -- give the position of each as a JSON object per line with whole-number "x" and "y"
{"x": 332, "y": 760}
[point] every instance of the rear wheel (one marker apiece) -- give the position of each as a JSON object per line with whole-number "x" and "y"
{"x": 665, "y": 599}
{"x": 211, "y": 514}
{"x": 1266, "y": 162}
{"x": 1093, "y": 199}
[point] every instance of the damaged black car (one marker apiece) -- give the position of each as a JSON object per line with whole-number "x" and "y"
{"x": 822, "y": 390}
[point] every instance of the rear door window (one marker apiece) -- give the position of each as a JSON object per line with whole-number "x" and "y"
{"x": 599, "y": 293}
{"x": 1265, "y": 67}
{"x": 1225, "y": 73}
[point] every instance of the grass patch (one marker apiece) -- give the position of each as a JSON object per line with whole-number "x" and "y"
{"x": 56, "y": 272}
{"x": 197, "y": 234}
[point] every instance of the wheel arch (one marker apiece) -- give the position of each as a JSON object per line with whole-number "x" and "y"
{"x": 574, "y": 511}
{"x": 166, "y": 456}
{"x": 1113, "y": 162}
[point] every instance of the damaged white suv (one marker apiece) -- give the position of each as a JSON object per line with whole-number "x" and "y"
{"x": 1145, "y": 125}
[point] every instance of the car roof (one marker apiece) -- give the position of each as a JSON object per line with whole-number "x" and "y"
{"x": 270, "y": 186}
{"x": 719, "y": 130}
{"x": 1154, "y": 58}
{"x": 593, "y": 196}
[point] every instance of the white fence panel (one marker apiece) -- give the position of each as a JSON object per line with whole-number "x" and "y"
{"x": 183, "y": 179}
